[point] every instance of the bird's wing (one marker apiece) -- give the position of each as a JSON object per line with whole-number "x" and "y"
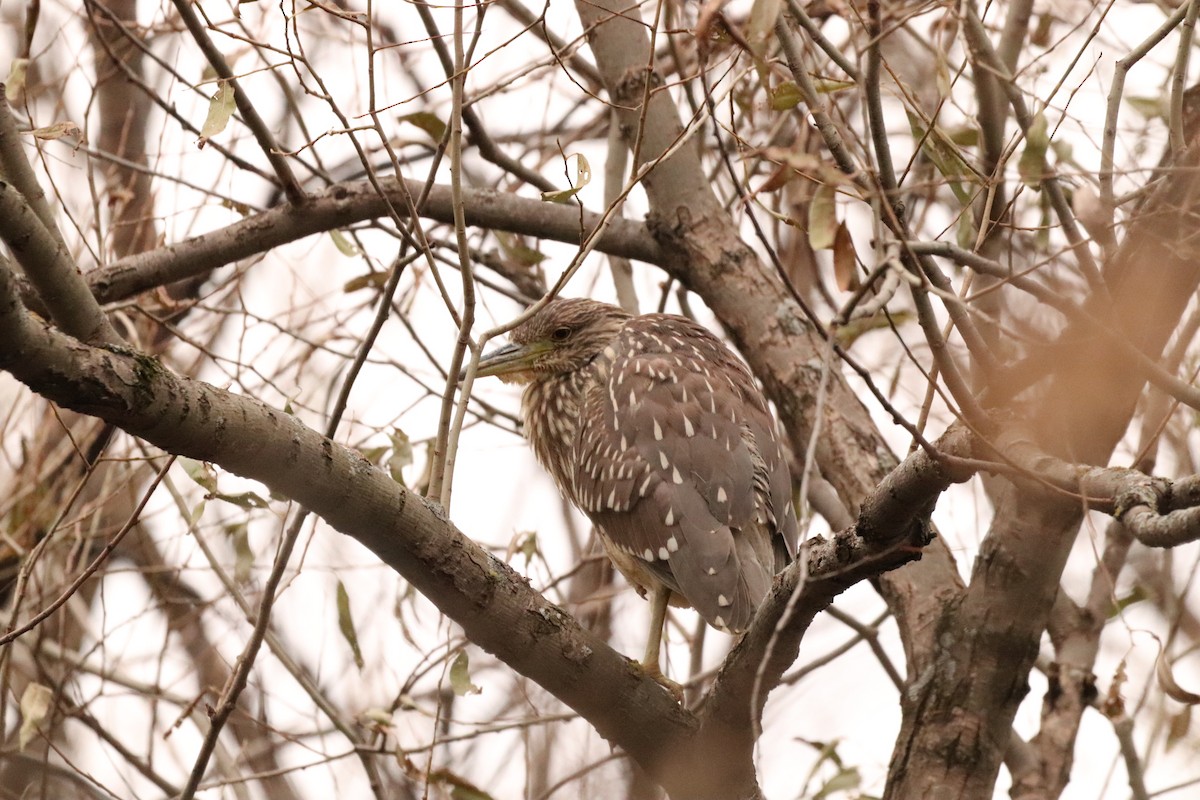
{"x": 672, "y": 470}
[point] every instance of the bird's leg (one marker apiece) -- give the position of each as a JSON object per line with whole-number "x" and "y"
{"x": 658, "y": 618}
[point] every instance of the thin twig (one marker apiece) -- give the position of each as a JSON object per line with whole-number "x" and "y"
{"x": 91, "y": 568}
{"x": 1120, "y": 70}
{"x": 1179, "y": 77}
{"x": 262, "y": 134}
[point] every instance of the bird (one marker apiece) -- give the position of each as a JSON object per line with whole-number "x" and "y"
{"x": 656, "y": 431}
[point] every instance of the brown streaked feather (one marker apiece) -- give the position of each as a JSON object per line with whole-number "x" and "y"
{"x": 659, "y": 434}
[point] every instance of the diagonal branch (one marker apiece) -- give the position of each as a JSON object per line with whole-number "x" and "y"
{"x": 495, "y": 606}
{"x": 51, "y": 270}
{"x": 892, "y": 528}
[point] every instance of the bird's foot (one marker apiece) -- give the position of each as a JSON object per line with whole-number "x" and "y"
{"x": 652, "y": 671}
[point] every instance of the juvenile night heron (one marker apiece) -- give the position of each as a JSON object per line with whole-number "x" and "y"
{"x": 656, "y": 431}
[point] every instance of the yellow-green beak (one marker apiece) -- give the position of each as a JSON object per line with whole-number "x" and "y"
{"x": 510, "y": 361}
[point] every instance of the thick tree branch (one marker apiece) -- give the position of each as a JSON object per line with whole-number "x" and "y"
{"x": 349, "y": 203}
{"x": 702, "y": 248}
{"x": 51, "y": 270}
{"x": 14, "y": 167}
{"x": 892, "y": 529}
{"x": 956, "y": 723}
{"x": 495, "y": 606}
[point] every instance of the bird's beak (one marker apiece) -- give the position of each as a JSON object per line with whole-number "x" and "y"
{"x": 511, "y": 362}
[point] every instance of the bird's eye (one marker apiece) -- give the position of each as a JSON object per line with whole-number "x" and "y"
{"x": 561, "y": 334}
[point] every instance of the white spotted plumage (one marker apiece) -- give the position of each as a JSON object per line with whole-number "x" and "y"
{"x": 707, "y": 516}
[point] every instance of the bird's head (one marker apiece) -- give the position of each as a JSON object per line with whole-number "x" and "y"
{"x": 562, "y": 337}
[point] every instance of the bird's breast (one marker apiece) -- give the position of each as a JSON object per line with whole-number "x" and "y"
{"x": 550, "y": 412}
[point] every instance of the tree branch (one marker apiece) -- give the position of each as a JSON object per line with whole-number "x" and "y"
{"x": 51, "y": 270}
{"x": 266, "y": 141}
{"x": 495, "y": 606}
{"x": 348, "y": 203}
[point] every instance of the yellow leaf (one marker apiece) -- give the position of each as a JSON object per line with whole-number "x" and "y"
{"x": 762, "y": 22}
{"x": 1032, "y": 165}
{"x": 343, "y": 244}
{"x": 199, "y": 472}
{"x": 428, "y": 122}
{"x": 346, "y": 623}
{"x": 460, "y": 676}
{"x": 220, "y": 109}
{"x": 786, "y": 95}
{"x": 402, "y": 455}
{"x": 583, "y": 176}
{"x": 16, "y": 78}
{"x": 822, "y": 218}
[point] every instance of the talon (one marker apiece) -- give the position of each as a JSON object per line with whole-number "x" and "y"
{"x": 652, "y": 671}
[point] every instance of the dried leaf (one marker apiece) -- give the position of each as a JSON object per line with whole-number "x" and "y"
{"x": 243, "y": 556}
{"x": 233, "y": 205}
{"x": 35, "y": 705}
{"x": 370, "y": 280}
{"x": 343, "y": 243}
{"x": 845, "y": 261}
{"x": 401, "y": 457}
{"x": 16, "y": 78}
{"x": 776, "y": 180}
{"x": 822, "y": 218}
{"x": 346, "y": 623}
{"x": 220, "y": 109}
{"x": 56, "y": 131}
{"x": 1041, "y": 31}
{"x": 785, "y": 96}
{"x": 1032, "y": 165}
{"x": 460, "y": 787}
{"x": 428, "y": 122}
{"x": 583, "y": 176}
{"x": 199, "y": 472}
{"x": 1166, "y": 679}
{"x": 460, "y": 676}
{"x": 763, "y": 15}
